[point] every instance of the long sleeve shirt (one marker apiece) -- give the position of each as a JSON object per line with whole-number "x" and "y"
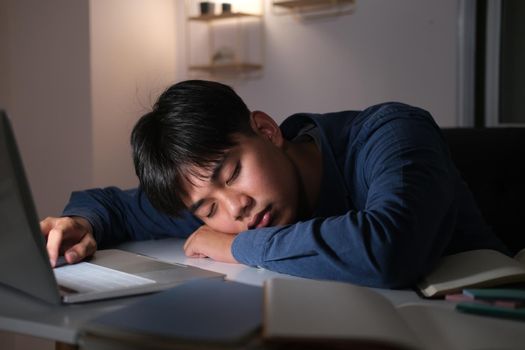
{"x": 391, "y": 204}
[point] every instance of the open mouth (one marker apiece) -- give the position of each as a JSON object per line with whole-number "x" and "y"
{"x": 262, "y": 219}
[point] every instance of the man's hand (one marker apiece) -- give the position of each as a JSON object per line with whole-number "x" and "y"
{"x": 206, "y": 242}
{"x": 71, "y": 236}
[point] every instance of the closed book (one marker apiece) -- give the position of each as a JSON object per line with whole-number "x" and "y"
{"x": 492, "y": 310}
{"x": 473, "y": 269}
{"x": 496, "y": 293}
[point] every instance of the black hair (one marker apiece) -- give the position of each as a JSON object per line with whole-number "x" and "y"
{"x": 186, "y": 133}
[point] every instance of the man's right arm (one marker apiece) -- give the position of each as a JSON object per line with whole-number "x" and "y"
{"x": 112, "y": 215}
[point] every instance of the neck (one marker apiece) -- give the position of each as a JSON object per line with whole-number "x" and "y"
{"x": 307, "y": 159}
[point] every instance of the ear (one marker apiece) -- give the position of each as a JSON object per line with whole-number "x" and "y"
{"x": 265, "y": 126}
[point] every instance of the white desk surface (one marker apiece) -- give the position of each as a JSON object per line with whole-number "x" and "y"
{"x": 171, "y": 250}
{"x": 26, "y": 315}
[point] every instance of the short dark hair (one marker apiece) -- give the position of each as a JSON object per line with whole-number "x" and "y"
{"x": 187, "y": 132}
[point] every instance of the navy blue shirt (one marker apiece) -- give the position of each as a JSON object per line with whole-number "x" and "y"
{"x": 391, "y": 204}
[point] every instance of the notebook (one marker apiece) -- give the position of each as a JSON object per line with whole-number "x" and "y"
{"x": 24, "y": 262}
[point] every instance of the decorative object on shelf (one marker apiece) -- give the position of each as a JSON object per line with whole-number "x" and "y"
{"x": 207, "y": 8}
{"x": 224, "y": 55}
{"x": 313, "y": 8}
{"x": 226, "y": 7}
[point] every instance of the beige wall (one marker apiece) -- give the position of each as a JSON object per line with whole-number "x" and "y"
{"x": 132, "y": 61}
{"x": 402, "y": 50}
{"x": 75, "y": 76}
{"x": 47, "y": 94}
{"x": 4, "y": 70}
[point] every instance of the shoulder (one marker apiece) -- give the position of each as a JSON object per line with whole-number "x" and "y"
{"x": 380, "y": 114}
{"x": 326, "y": 121}
{"x": 392, "y": 120}
{"x": 358, "y": 126}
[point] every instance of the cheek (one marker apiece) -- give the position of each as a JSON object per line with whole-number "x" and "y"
{"x": 225, "y": 224}
{"x": 273, "y": 178}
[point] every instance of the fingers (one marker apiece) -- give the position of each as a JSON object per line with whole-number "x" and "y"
{"x": 47, "y": 224}
{"x": 54, "y": 239}
{"x": 187, "y": 243}
{"x": 85, "y": 248}
{"x": 72, "y": 234}
{"x": 208, "y": 243}
{"x": 189, "y": 247}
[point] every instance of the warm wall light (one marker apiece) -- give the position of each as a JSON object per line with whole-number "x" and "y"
{"x": 313, "y": 8}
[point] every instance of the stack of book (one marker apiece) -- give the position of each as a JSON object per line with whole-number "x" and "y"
{"x": 499, "y": 302}
{"x": 469, "y": 278}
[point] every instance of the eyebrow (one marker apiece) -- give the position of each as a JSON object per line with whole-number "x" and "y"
{"x": 214, "y": 176}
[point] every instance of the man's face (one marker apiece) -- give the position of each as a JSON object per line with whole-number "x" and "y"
{"x": 256, "y": 185}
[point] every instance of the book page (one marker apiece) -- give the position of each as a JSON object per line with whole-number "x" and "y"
{"x": 311, "y": 310}
{"x": 475, "y": 268}
{"x": 520, "y": 256}
{"x": 443, "y": 328}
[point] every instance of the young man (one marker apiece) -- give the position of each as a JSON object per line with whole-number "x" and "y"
{"x": 368, "y": 197}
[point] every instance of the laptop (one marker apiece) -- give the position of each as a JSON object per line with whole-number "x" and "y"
{"x": 24, "y": 262}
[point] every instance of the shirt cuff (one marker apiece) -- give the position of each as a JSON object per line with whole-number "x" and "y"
{"x": 249, "y": 247}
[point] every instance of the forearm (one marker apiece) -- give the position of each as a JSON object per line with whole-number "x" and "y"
{"x": 118, "y": 215}
{"x": 355, "y": 247}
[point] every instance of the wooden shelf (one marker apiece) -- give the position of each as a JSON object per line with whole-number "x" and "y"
{"x": 209, "y": 18}
{"x": 228, "y": 68}
{"x": 229, "y": 43}
{"x": 293, "y": 4}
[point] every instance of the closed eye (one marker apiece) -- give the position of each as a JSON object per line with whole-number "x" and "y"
{"x": 235, "y": 174}
{"x": 213, "y": 208}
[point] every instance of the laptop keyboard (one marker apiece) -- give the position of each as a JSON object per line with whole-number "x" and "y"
{"x": 85, "y": 277}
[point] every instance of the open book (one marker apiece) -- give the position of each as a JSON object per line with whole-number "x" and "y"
{"x": 327, "y": 314}
{"x": 475, "y": 268}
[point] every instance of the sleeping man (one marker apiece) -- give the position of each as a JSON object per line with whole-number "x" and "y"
{"x": 369, "y": 197}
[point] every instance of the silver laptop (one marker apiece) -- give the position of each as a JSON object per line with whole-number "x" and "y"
{"x": 24, "y": 263}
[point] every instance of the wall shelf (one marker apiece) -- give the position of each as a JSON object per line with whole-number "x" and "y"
{"x": 214, "y": 17}
{"x": 293, "y": 4}
{"x": 228, "y": 68}
{"x": 225, "y": 43}
{"x": 314, "y": 8}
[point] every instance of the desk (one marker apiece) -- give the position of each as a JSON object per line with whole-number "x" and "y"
{"x": 26, "y": 315}
{"x": 171, "y": 250}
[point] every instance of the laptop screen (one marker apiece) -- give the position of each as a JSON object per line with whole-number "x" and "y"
{"x": 24, "y": 263}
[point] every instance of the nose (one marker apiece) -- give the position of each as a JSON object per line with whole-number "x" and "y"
{"x": 237, "y": 204}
